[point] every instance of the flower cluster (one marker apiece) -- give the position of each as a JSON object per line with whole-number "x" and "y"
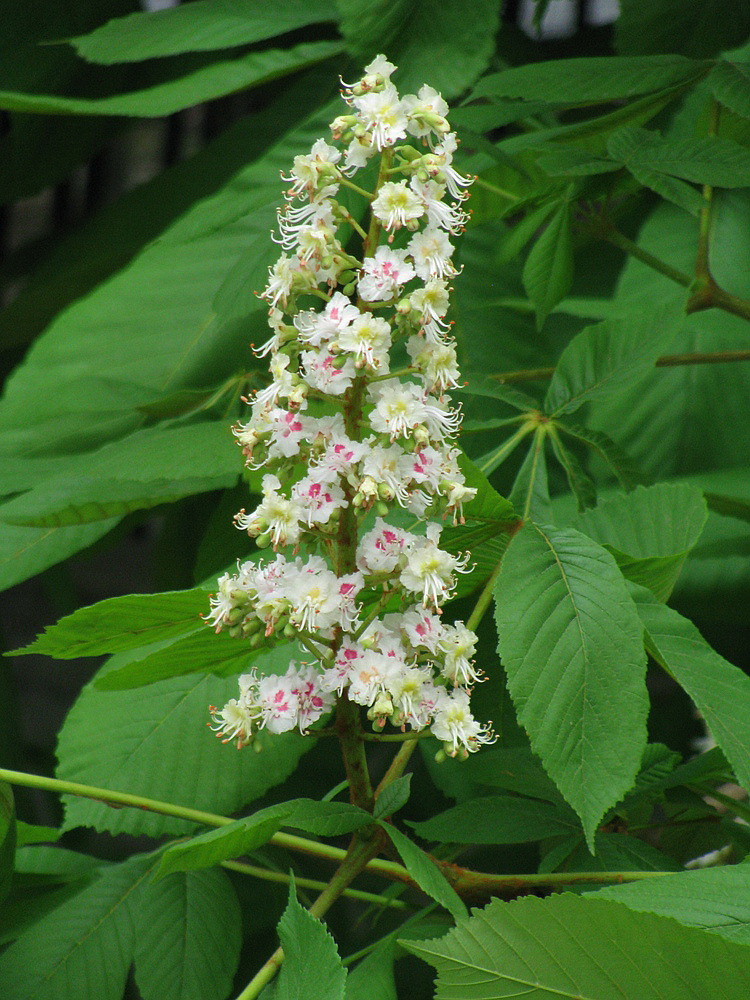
{"x": 355, "y": 433}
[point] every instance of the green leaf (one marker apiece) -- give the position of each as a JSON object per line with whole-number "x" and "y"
{"x": 571, "y": 642}
{"x": 669, "y": 188}
{"x": 530, "y": 493}
{"x": 202, "y": 652}
{"x": 498, "y": 819}
{"x": 24, "y": 552}
{"x": 425, "y": 873}
{"x": 649, "y": 532}
{"x": 519, "y": 235}
{"x": 694, "y": 29}
{"x": 715, "y": 899}
{"x": 730, "y": 84}
{"x": 372, "y": 978}
{"x": 312, "y": 969}
{"x": 569, "y": 161}
{"x": 447, "y": 45}
{"x": 31, "y": 833}
{"x": 89, "y": 255}
{"x": 579, "y": 946}
{"x": 121, "y": 623}
{"x": 704, "y": 160}
{"x": 217, "y": 79}
{"x": 197, "y": 27}
{"x": 720, "y": 690}
{"x": 548, "y": 271}
{"x": 7, "y": 838}
{"x": 247, "y": 834}
{"x": 607, "y": 357}
{"x": 174, "y": 280}
{"x": 614, "y": 852}
{"x": 513, "y": 768}
{"x": 488, "y": 504}
{"x": 188, "y": 937}
{"x": 158, "y": 745}
{"x": 667, "y": 419}
{"x": 628, "y": 474}
{"x": 393, "y": 797}
{"x": 83, "y": 500}
{"x": 581, "y": 82}
{"x": 82, "y": 950}
{"x": 581, "y": 484}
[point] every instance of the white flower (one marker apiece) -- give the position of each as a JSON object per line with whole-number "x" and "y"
{"x": 384, "y": 275}
{"x": 235, "y": 721}
{"x": 426, "y": 112}
{"x": 278, "y": 701}
{"x": 317, "y": 328}
{"x": 399, "y": 408}
{"x": 443, "y": 214}
{"x": 396, "y": 206}
{"x": 275, "y": 514}
{"x": 368, "y": 339}
{"x": 459, "y": 644}
{"x": 306, "y": 173}
{"x": 383, "y": 115}
{"x": 456, "y": 727}
{"x": 381, "y": 549}
{"x": 429, "y": 570}
{"x": 327, "y": 372}
{"x": 431, "y": 251}
{"x": 431, "y": 302}
{"x": 317, "y": 500}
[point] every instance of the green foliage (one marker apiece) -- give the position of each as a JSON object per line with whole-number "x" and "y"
{"x": 600, "y": 312}
{"x": 121, "y": 623}
{"x": 8, "y": 837}
{"x": 715, "y": 899}
{"x": 188, "y": 937}
{"x": 576, "y": 676}
{"x": 603, "y": 359}
{"x": 571, "y": 946}
{"x": 144, "y": 727}
{"x": 425, "y": 873}
{"x": 498, "y": 819}
{"x": 649, "y": 532}
{"x": 196, "y": 28}
{"x": 312, "y": 967}
{"x": 326, "y": 819}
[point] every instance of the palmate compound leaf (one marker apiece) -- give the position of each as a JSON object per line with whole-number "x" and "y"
{"x": 312, "y": 969}
{"x": 571, "y": 642}
{"x": 577, "y": 947}
{"x": 720, "y": 690}
{"x": 649, "y": 531}
{"x": 188, "y": 937}
{"x": 154, "y": 741}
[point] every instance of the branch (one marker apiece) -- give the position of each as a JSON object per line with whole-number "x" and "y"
{"x": 667, "y": 361}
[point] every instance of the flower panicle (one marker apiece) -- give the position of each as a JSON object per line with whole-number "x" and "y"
{"x": 355, "y": 434}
